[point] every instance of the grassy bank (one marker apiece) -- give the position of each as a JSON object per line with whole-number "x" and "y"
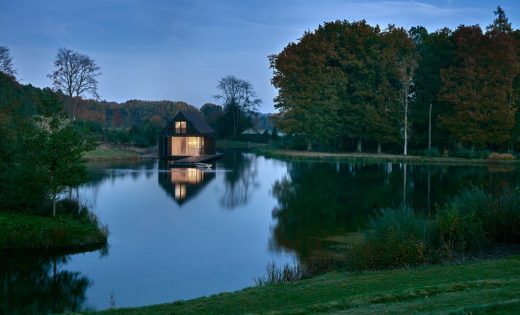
{"x": 119, "y": 152}
{"x": 373, "y": 157}
{"x": 235, "y": 144}
{"x": 477, "y": 287}
{"x": 25, "y": 231}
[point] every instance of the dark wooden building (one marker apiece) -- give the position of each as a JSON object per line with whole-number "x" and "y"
{"x": 187, "y": 134}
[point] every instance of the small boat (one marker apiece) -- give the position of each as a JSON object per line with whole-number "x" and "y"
{"x": 203, "y": 165}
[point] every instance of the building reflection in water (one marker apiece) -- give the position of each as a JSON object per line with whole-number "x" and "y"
{"x": 183, "y": 184}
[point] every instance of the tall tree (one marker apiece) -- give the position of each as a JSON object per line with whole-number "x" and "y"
{"x": 477, "y": 86}
{"x": 62, "y": 148}
{"x": 434, "y": 53}
{"x": 239, "y": 101}
{"x": 501, "y": 23}
{"x": 75, "y": 74}
{"x": 6, "y": 62}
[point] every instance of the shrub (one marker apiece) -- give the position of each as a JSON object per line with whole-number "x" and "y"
{"x": 460, "y": 225}
{"x": 433, "y": 152}
{"x": 396, "y": 237}
{"x": 461, "y": 152}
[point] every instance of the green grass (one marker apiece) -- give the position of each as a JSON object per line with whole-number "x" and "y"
{"x": 105, "y": 152}
{"x": 490, "y": 286}
{"x": 372, "y": 157}
{"x": 25, "y": 231}
{"x": 236, "y": 144}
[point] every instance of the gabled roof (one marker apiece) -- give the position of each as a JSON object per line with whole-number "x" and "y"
{"x": 197, "y": 120}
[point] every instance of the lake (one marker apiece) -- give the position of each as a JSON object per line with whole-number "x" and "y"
{"x": 185, "y": 233}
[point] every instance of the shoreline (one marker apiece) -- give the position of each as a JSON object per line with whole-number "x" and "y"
{"x": 461, "y": 287}
{"x": 373, "y": 157}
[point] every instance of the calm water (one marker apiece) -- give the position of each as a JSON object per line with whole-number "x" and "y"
{"x": 185, "y": 233}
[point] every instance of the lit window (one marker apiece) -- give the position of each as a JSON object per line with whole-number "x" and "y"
{"x": 180, "y": 127}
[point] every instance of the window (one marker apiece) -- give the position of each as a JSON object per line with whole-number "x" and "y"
{"x": 180, "y": 127}
{"x": 187, "y": 146}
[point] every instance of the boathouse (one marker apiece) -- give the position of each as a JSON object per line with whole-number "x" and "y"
{"x": 186, "y": 135}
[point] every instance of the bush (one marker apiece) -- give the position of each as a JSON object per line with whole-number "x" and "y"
{"x": 460, "y": 223}
{"x": 461, "y": 152}
{"x": 433, "y": 152}
{"x": 396, "y": 237}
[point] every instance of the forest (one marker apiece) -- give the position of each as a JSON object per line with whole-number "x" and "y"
{"x": 353, "y": 86}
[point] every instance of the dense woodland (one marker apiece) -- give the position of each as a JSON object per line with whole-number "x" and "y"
{"x": 350, "y": 85}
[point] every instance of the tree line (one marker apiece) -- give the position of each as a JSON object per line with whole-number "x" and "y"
{"x": 353, "y": 85}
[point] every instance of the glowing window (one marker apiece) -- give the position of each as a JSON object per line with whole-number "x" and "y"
{"x": 180, "y": 127}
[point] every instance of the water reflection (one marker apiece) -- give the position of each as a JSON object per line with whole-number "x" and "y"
{"x": 241, "y": 180}
{"x": 183, "y": 184}
{"x": 40, "y": 285}
{"x": 320, "y": 200}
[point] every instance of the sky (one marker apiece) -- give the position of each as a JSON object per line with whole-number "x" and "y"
{"x": 179, "y": 49}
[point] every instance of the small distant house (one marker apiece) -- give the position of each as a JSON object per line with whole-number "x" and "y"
{"x": 187, "y": 134}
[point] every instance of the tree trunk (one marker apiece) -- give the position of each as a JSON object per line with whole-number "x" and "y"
{"x": 430, "y": 128}
{"x": 359, "y": 143}
{"x": 379, "y": 148}
{"x": 54, "y": 207}
{"x": 405, "y": 151}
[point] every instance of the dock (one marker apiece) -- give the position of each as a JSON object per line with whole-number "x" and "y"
{"x": 192, "y": 160}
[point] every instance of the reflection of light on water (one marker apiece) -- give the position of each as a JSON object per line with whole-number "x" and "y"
{"x": 186, "y": 175}
{"x": 180, "y": 191}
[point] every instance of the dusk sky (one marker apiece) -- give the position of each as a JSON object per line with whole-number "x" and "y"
{"x": 178, "y": 50}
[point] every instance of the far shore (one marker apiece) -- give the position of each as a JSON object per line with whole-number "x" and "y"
{"x": 374, "y": 157}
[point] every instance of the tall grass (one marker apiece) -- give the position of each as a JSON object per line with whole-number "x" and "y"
{"x": 394, "y": 237}
{"x": 470, "y": 223}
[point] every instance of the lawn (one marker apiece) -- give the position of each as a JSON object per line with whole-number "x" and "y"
{"x": 488, "y": 286}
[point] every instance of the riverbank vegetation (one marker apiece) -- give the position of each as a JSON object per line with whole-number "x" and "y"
{"x": 41, "y": 159}
{"x": 351, "y": 86}
{"x": 67, "y": 231}
{"x": 273, "y": 152}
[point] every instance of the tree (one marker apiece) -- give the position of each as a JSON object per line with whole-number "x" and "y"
{"x": 75, "y": 74}
{"x": 501, "y": 23}
{"x": 434, "y": 54}
{"x": 477, "y": 86}
{"x": 61, "y": 149}
{"x": 6, "y": 62}
{"x": 239, "y": 101}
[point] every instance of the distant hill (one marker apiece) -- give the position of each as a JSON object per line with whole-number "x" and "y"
{"x": 129, "y": 113}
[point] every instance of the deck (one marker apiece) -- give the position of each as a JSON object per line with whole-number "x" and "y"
{"x": 192, "y": 160}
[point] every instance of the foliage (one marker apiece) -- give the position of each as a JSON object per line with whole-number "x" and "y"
{"x": 22, "y": 231}
{"x": 460, "y": 225}
{"x": 350, "y": 82}
{"x": 395, "y": 237}
{"x": 239, "y": 102}
{"x": 41, "y": 150}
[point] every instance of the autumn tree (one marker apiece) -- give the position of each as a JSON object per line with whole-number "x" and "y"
{"x": 434, "y": 54}
{"x": 477, "y": 86}
{"x": 6, "y": 62}
{"x": 239, "y": 101}
{"x": 75, "y": 75}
